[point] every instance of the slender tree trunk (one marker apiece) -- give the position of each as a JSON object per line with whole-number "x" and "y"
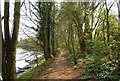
{"x": 103, "y": 30}
{"x": 107, "y": 20}
{"x": 73, "y": 50}
{"x": 108, "y": 27}
{"x": 5, "y": 44}
{"x": 49, "y": 25}
{"x": 53, "y": 43}
{"x": 79, "y": 37}
{"x": 4, "y": 72}
{"x": 80, "y": 34}
{"x": 87, "y": 28}
{"x": 0, "y": 42}
{"x": 82, "y": 45}
{"x": 69, "y": 48}
{"x": 72, "y": 42}
{"x": 47, "y": 31}
{"x": 118, "y": 5}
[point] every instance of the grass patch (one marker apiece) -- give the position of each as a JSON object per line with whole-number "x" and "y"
{"x": 33, "y": 71}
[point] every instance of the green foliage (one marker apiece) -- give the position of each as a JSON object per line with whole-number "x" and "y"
{"x": 115, "y": 51}
{"x": 87, "y": 77}
{"x": 89, "y": 58}
{"x": 65, "y": 49}
{"x": 102, "y": 72}
{"x": 70, "y": 56}
{"x": 98, "y": 70}
{"x": 98, "y": 50}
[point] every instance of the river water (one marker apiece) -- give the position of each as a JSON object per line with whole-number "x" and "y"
{"x": 21, "y": 57}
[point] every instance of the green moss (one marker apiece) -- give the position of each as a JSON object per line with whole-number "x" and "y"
{"x": 33, "y": 71}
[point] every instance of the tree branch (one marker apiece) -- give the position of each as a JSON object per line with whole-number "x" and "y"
{"x": 31, "y": 38}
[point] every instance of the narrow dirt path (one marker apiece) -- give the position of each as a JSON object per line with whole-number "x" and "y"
{"x": 58, "y": 68}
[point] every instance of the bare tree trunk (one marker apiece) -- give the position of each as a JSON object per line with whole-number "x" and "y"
{"x": 103, "y": 29}
{"x": 69, "y": 48}
{"x": 0, "y": 42}
{"x": 49, "y": 25}
{"x": 9, "y": 46}
{"x": 5, "y": 44}
{"x": 108, "y": 26}
{"x": 72, "y": 42}
{"x": 118, "y": 5}
{"x": 14, "y": 41}
{"x": 107, "y": 20}
{"x": 47, "y": 32}
{"x": 53, "y": 41}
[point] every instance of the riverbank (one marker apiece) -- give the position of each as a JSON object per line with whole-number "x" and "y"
{"x": 26, "y": 60}
{"x": 35, "y": 70}
{"x": 30, "y": 66}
